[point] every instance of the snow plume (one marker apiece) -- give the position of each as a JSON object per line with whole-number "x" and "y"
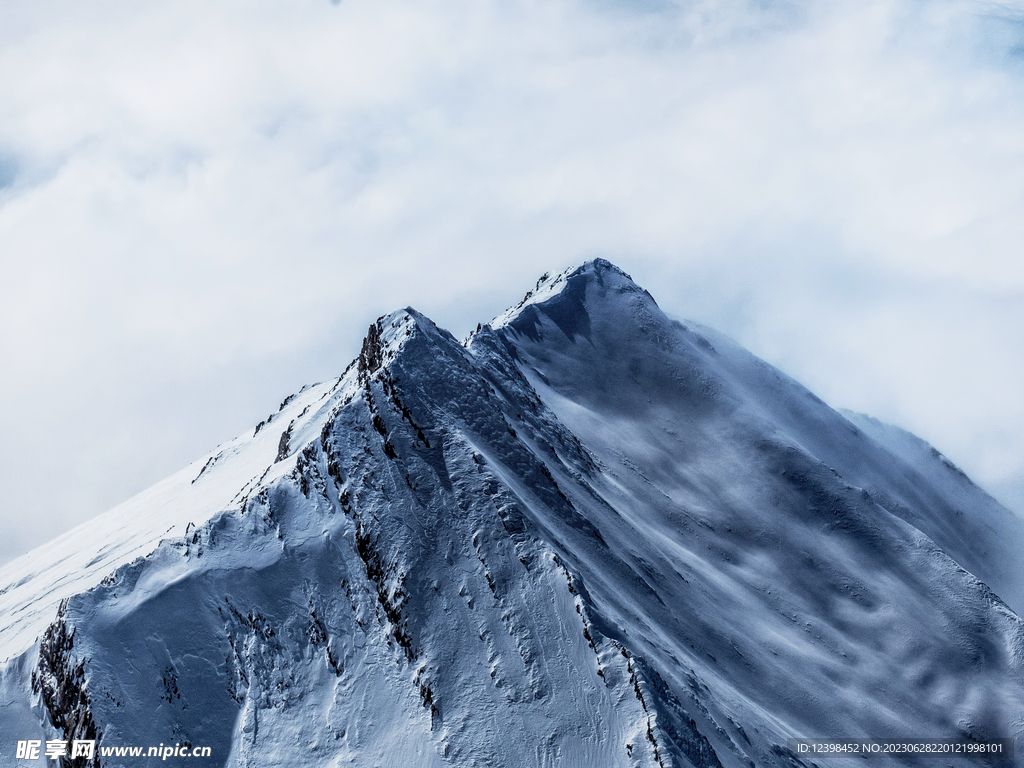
{"x": 208, "y": 198}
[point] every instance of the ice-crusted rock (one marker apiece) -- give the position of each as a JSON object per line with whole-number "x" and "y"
{"x": 587, "y": 536}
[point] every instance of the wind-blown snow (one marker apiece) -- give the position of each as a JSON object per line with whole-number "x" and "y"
{"x": 588, "y": 535}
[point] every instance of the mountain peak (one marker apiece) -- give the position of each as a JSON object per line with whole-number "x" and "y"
{"x": 569, "y": 298}
{"x": 388, "y": 335}
{"x": 592, "y": 531}
{"x": 600, "y": 269}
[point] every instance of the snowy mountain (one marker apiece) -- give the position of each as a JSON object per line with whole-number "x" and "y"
{"x": 589, "y": 535}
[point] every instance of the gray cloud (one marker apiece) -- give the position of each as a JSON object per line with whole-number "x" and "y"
{"x": 201, "y": 207}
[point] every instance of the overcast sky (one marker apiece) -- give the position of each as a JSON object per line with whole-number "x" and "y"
{"x": 203, "y": 205}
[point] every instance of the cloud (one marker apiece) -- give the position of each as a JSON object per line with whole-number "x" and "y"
{"x": 202, "y": 206}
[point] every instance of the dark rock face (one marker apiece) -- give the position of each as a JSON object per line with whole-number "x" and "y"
{"x": 59, "y": 681}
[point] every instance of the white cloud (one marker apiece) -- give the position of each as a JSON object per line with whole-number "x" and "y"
{"x": 201, "y": 206}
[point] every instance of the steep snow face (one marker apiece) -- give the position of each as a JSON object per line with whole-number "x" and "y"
{"x": 589, "y": 536}
{"x": 654, "y": 371}
{"x": 32, "y": 586}
{"x": 812, "y": 577}
{"x": 375, "y": 595}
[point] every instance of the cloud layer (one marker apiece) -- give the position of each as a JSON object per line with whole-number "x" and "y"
{"x": 203, "y": 205}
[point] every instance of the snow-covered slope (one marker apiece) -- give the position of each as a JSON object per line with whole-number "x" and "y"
{"x": 589, "y": 535}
